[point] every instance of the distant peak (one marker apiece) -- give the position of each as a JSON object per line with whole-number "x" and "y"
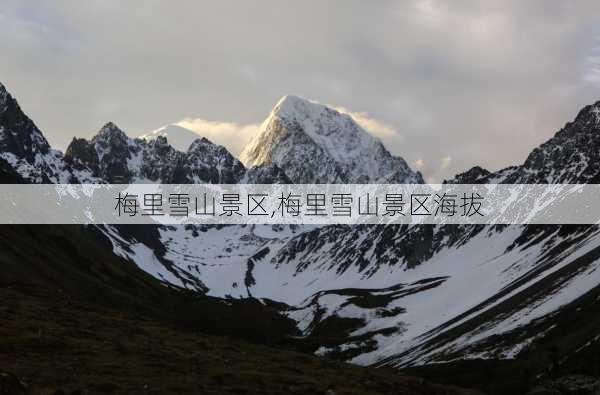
{"x": 472, "y": 176}
{"x": 199, "y": 142}
{"x": 111, "y": 130}
{"x": 110, "y": 126}
{"x": 161, "y": 140}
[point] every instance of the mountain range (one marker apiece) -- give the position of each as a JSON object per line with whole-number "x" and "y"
{"x": 428, "y": 298}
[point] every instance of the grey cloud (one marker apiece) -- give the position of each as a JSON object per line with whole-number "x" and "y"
{"x": 479, "y": 82}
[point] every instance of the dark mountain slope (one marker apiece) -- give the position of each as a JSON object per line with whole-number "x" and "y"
{"x": 57, "y": 345}
{"x": 79, "y": 262}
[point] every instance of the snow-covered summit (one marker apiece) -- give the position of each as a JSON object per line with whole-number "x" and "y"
{"x": 314, "y": 143}
{"x": 293, "y": 107}
{"x": 179, "y": 137}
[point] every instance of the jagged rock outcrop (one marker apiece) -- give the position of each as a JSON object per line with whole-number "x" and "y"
{"x": 572, "y": 155}
{"x": 475, "y": 175}
{"x": 210, "y": 163}
{"x": 25, "y": 148}
{"x": 117, "y": 158}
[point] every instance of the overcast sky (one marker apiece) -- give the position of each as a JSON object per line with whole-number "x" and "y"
{"x": 447, "y": 85}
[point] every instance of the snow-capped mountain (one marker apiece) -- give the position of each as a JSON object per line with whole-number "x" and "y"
{"x": 206, "y": 161}
{"x": 490, "y": 291}
{"x": 178, "y": 136}
{"x": 115, "y": 157}
{"x": 382, "y": 295}
{"x": 26, "y": 150}
{"x": 411, "y": 294}
{"x": 571, "y": 156}
{"x": 313, "y": 143}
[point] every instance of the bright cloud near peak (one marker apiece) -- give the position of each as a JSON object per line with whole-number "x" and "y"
{"x": 371, "y": 125}
{"x": 232, "y": 135}
{"x": 445, "y": 162}
{"x": 434, "y": 170}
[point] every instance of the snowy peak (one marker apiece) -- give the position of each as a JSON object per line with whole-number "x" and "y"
{"x": 113, "y": 150}
{"x": 117, "y": 158}
{"x": 110, "y": 127}
{"x": 179, "y": 137}
{"x": 313, "y": 143}
{"x": 207, "y": 148}
{"x": 296, "y": 109}
{"x": 111, "y": 133}
{"x": 207, "y": 162}
{"x": 200, "y": 144}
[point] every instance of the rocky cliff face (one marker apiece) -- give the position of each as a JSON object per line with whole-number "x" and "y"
{"x": 571, "y": 156}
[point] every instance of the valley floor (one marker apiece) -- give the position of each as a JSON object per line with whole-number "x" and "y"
{"x": 56, "y": 344}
